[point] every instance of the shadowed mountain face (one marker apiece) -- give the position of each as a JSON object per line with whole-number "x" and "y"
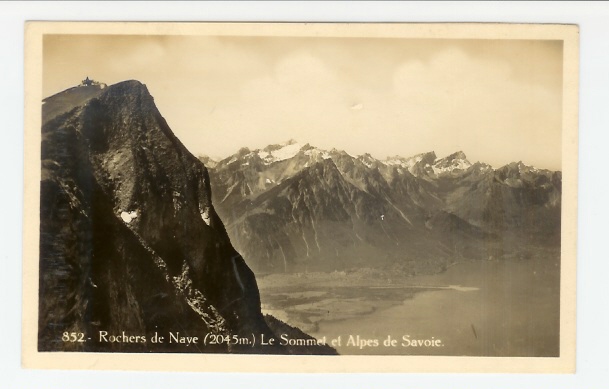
{"x": 130, "y": 239}
{"x": 294, "y": 207}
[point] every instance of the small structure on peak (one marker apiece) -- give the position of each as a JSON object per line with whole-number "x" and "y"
{"x": 89, "y": 82}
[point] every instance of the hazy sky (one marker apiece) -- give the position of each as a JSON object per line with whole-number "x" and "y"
{"x": 497, "y": 100}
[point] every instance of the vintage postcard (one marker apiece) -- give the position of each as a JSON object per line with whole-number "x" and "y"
{"x": 276, "y": 197}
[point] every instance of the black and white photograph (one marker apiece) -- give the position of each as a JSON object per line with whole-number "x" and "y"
{"x": 318, "y": 190}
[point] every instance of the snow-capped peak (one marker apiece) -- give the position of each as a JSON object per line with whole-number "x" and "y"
{"x": 455, "y": 161}
{"x": 280, "y": 152}
{"x": 314, "y": 152}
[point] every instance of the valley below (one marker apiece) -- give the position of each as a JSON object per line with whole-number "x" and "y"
{"x": 504, "y": 307}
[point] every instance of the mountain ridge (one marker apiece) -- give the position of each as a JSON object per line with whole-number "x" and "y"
{"x": 294, "y": 146}
{"x": 412, "y": 197}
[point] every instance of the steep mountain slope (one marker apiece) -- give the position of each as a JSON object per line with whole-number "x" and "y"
{"x": 293, "y": 206}
{"x": 130, "y": 240}
{"x": 65, "y": 101}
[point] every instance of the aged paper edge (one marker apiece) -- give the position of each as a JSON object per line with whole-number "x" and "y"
{"x": 31, "y": 358}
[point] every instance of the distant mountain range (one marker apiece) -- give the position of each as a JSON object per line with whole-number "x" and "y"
{"x": 293, "y": 206}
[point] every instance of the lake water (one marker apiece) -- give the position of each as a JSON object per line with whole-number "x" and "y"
{"x": 498, "y": 309}
{"x": 483, "y": 308}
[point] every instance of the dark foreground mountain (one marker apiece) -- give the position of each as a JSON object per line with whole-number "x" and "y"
{"x": 130, "y": 243}
{"x": 295, "y": 207}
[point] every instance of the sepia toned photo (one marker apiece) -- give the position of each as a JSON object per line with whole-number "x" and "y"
{"x": 300, "y": 197}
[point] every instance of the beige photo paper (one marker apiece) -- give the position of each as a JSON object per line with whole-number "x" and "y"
{"x": 288, "y": 197}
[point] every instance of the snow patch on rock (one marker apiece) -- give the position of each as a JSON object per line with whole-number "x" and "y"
{"x": 280, "y": 152}
{"x": 128, "y": 216}
{"x": 313, "y": 152}
{"x": 457, "y": 164}
{"x": 205, "y": 216}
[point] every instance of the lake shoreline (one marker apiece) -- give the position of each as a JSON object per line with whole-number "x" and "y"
{"x": 500, "y": 307}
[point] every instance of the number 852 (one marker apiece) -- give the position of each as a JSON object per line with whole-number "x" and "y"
{"x": 78, "y": 337}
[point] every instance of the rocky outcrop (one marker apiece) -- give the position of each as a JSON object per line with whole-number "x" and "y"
{"x": 130, "y": 239}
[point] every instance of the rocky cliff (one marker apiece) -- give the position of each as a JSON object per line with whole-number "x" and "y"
{"x": 130, "y": 241}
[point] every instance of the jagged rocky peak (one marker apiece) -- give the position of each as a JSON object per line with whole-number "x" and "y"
{"x": 454, "y": 162}
{"x": 274, "y": 147}
{"x": 306, "y": 147}
{"x": 367, "y": 157}
{"x": 395, "y": 160}
{"x": 519, "y": 174}
{"x": 456, "y": 155}
{"x": 334, "y": 152}
{"x": 418, "y": 164}
{"x": 452, "y": 158}
{"x": 368, "y": 160}
{"x": 313, "y": 152}
{"x": 481, "y": 167}
{"x": 427, "y": 158}
{"x": 516, "y": 169}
